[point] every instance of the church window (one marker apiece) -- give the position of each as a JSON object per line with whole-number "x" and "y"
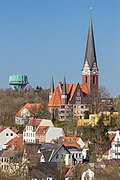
{"x": 85, "y": 79}
{"x": 93, "y": 79}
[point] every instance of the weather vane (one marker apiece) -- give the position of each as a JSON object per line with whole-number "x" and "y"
{"x": 91, "y": 10}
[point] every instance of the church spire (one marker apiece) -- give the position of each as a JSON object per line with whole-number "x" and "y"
{"x": 64, "y": 87}
{"x": 51, "y": 89}
{"x": 52, "y": 86}
{"x": 64, "y": 93}
{"x": 90, "y": 54}
{"x": 90, "y": 68}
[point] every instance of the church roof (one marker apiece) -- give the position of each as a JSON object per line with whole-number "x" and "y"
{"x": 70, "y": 90}
{"x": 90, "y": 54}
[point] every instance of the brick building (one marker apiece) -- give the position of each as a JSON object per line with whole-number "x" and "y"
{"x": 66, "y": 98}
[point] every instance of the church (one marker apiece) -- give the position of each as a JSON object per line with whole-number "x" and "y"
{"x": 67, "y": 99}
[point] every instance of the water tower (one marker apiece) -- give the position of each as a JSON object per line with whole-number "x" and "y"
{"x": 18, "y": 82}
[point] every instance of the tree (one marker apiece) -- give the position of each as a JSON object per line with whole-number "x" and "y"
{"x": 95, "y": 100}
{"x": 61, "y": 170}
{"x": 110, "y": 172}
{"x": 11, "y": 101}
{"x": 100, "y": 143}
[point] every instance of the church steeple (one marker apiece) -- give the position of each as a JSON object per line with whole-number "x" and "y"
{"x": 51, "y": 88}
{"x": 90, "y": 68}
{"x": 64, "y": 93}
{"x": 64, "y": 87}
{"x": 90, "y": 54}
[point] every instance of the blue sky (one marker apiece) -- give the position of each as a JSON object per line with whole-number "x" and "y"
{"x": 45, "y": 38}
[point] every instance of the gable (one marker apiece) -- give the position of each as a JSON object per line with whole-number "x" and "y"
{"x": 28, "y": 107}
{"x": 60, "y": 151}
{"x": 86, "y": 68}
{"x": 76, "y": 98}
{"x": 94, "y": 69}
{"x": 56, "y": 98}
{"x": 25, "y": 112}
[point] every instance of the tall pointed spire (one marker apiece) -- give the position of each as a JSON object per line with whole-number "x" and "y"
{"x": 52, "y": 86}
{"x": 90, "y": 68}
{"x": 64, "y": 87}
{"x": 90, "y": 54}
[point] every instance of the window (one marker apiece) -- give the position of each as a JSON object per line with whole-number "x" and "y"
{"x": 7, "y": 134}
{"x": 85, "y": 79}
{"x": 117, "y": 145}
{"x": 57, "y": 156}
{"x": 78, "y": 93}
{"x": 93, "y": 79}
{"x": 11, "y": 134}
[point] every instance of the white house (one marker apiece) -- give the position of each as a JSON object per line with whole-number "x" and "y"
{"x": 88, "y": 175}
{"x": 35, "y": 130}
{"x": 7, "y": 134}
{"x": 56, "y": 153}
{"x": 53, "y": 133}
{"x": 27, "y": 112}
{"x": 75, "y": 145}
{"x": 114, "y": 151}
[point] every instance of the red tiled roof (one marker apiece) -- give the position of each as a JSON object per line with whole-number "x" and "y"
{"x": 71, "y": 138}
{"x": 72, "y": 145}
{"x": 42, "y": 130}
{"x": 34, "y": 122}
{"x": 70, "y": 88}
{"x": 28, "y": 106}
{"x": 111, "y": 136}
{"x": 106, "y": 153}
{"x": 3, "y": 128}
{"x": 69, "y": 172}
{"x": 56, "y": 98}
{"x": 9, "y": 153}
{"x": 11, "y": 128}
{"x": 84, "y": 88}
{"x": 17, "y": 142}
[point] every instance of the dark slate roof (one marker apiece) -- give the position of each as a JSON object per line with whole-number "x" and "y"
{"x": 43, "y": 170}
{"x": 49, "y": 150}
{"x": 90, "y": 54}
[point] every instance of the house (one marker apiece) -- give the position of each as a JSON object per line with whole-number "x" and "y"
{"x": 76, "y": 146}
{"x": 88, "y": 174}
{"x": 41, "y": 130}
{"x": 56, "y": 153}
{"x": 114, "y": 151}
{"x": 81, "y": 171}
{"x": 46, "y": 133}
{"x": 93, "y": 118}
{"x": 28, "y": 111}
{"x": 7, "y": 134}
{"x": 16, "y": 143}
{"x": 54, "y": 133}
{"x": 51, "y": 152}
{"x": 9, "y": 161}
{"x": 65, "y": 98}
